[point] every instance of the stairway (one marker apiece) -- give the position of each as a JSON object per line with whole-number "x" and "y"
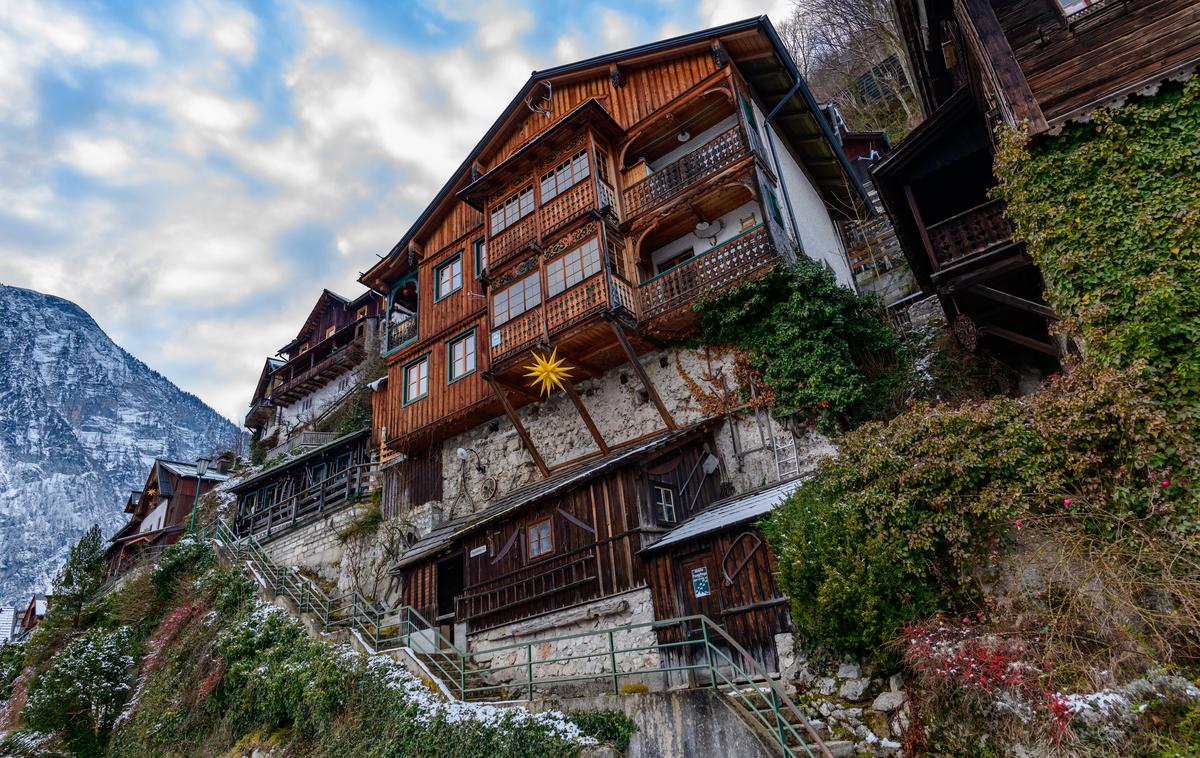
{"x": 793, "y": 733}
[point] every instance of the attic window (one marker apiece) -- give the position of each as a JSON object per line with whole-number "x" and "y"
{"x": 361, "y": 313}
{"x": 664, "y": 503}
{"x": 541, "y": 540}
{"x": 329, "y": 332}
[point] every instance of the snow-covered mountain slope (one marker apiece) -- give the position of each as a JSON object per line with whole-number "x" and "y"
{"x": 80, "y": 422}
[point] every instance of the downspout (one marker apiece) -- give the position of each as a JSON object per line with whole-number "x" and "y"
{"x": 775, "y": 160}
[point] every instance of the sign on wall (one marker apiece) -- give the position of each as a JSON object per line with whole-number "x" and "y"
{"x": 700, "y": 585}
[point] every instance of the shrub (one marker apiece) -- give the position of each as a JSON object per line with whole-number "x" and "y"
{"x": 81, "y": 694}
{"x": 612, "y": 727}
{"x": 184, "y": 557}
{"x": 12, "y": 662}
{"x": 824, "y": 350}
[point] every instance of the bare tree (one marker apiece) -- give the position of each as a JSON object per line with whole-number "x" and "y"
{"x": 852, "y": 54}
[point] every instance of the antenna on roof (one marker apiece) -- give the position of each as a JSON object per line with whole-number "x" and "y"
{"x": 540, "y": 104}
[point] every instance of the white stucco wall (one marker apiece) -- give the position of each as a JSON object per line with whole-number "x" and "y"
{"x": 155, "y": 519}
{"x": 730, "y": 225}
{"x": 290, "y": 416}
{"x": 817, "y": 233}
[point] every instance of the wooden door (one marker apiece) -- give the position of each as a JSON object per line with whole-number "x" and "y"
{"x": 697, "y": 593}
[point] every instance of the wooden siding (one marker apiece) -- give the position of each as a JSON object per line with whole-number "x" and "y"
{"x": 413, "y": 482}
{"x": 745, "y": 598}
{"x": 1070, "y": 68}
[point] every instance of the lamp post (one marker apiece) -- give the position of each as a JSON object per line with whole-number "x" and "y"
{"x": 201, "y": 468}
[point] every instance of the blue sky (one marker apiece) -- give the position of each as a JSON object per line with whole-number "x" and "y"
{"x": 193, "y": 172}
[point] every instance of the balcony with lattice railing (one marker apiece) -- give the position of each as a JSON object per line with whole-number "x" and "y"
{"x": 705, "y": 161}
{"x": 970, "y": 233}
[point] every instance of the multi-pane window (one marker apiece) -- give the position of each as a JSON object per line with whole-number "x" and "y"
{"x": 541, "y": 542}
{"x": 516, "y": 299}
{"x": 572, "y": 267}
{"x": 462, "y": 356}
{"x": 416, "y": 380}
{"x": 512, "y": 210}
{"x": 572, "y": 170}
{"x": 664, "y": 503}
{"x": 449, "y": 276}
{"x": 480, "y": 249}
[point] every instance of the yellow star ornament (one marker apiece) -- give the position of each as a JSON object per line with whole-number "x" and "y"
{"x": 548, "y": 372}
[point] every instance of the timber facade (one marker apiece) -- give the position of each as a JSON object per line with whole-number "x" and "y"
{"x": 1032, "y": 64}
{"x": 607, "y": 199}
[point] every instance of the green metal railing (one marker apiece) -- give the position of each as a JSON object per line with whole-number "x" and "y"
{"x": 707, "y": 655}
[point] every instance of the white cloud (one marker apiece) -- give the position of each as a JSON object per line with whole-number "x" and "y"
{"x": 229, "y": 28}
{"x": 714, "y": 12}
{"x": 100, "y": 156}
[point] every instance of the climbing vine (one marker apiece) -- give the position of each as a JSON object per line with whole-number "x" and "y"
{"x": 821, "y": 349}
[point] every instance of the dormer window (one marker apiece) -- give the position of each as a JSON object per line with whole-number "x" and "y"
{"x": 571, "y": 171}
{"x": 512, "y": 210}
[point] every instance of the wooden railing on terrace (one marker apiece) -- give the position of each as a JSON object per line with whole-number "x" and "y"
{"x": 325, "y": 360}
{"x": 591, "y": 193}
{"x": 512, "y": 240}
{"x": 720, "y": 267}
{"x": 721, "y": 151}
{"x": 969, "y": 233}
{"x": 344, "y": 487}
{"x": 519, "y": 593}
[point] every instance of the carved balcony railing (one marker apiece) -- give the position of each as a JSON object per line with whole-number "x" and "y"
{"x": 567, "y": 207}
{"x": 311, "y": 369}
{"x": 708, "y": 159}
{"x": 575, "y": 304}
{"x": 970, "y": 233}
{"x": 343, "y": 487}
{"x": 722, "y": 266}
{"x": 512, "y": 240}
{"x": 516, "y": 334}
{"x": 400, "y": 333}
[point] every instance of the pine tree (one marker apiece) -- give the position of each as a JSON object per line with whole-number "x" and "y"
{"x": 81, "y": 575}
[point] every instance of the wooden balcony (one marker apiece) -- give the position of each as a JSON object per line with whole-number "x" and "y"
{"x": 707, "y": 160}
{"x": 729, "y": 263}
{"x": 310, "y": 370}
{"x": 343, "y": 488}
{"x": 541, "y": 225}
{"x": 528, "y": 590}
{"x": 260, "y": 413}
{"x": 400, "y": 334}
{"x": 969, "y": 233}
{"x": 549, "y": 322}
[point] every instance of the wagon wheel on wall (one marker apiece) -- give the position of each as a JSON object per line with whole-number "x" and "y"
{"x": 966, "y": 332}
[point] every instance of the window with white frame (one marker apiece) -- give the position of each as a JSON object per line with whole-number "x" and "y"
{"x": 512, "y": 210}
{"x": 517, "y": 298}
{"x": 462, "y": 356}
{"x": 565, "y": 175}
{"x": 664, "y": 502}
{"x": 572, "y": 267}
{"x": 449, "y": 276}
{"x": 541, "y": 541}
{"x": 416, "y": 380}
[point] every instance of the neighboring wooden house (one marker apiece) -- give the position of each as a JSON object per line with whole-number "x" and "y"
{"x": 319, "y": 368}
{"x": 31, "y": 616}
{"x": 608, "y": 198}
{"x": 314, "y": 483}
{"x": 8, "y": 624}
{"x": 159, "y": 512}
{"x": 1036, "y": 64}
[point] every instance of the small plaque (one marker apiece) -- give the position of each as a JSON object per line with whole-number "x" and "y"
{"x": 477, "y": 551}
{"x": 495, "y": 339}
{"x": 700, "y": 582}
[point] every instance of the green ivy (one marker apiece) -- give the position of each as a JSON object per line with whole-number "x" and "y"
{"x": 1110, "y": 212}
{"x": 824, "y": 350}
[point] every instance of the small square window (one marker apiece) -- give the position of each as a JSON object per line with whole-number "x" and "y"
{"x": 330, "y": 332}
{"x": 541, "y": 540}
{"x": 361, "y": 313}
{"x": 664, "y": 503}
{"x": 449, "y": 277}
{"x": 462, "y": 356}
{"x": 416, "y": 380}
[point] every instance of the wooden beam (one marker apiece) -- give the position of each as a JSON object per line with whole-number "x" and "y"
{"x": 916, "y": 214}
{"x": 1020, "y": 339}
{"x": 516, "y": 422}
{"x": 1013, "y": 300}
{"x": 642, "y": 375}
{"x": 569, "y": 388}
{"x": 990, "y": 271}
{"x": 978, "y": 21}
{"x": 587, "y": 368}
{"x": 522, "y": 391}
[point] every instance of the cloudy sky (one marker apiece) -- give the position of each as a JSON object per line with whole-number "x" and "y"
{"x": 193, "y": 172}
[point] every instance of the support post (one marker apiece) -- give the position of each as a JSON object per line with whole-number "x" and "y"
{"x": 643, "y": 376}
{"x": 612, "y": 661}
{"x": 587, "y": 417}
{"x": 516, "y": 422}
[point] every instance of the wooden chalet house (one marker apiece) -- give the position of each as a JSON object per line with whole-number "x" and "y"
{"x": 31, "y": 616}
{"x": 605, "y": 200}
{"x": 314, "y": 372}
{"x": 1036, "y": 64}
{"x": 159, "y": 512}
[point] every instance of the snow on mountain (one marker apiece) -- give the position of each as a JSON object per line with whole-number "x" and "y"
{"x": 80, "y": 422}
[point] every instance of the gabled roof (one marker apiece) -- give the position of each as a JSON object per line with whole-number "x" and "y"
{"x": 728, "y": 512}
{"x": 447, "y": 533}
{"x": 774, "y": 78}
{"x": 189, "y": 471}
{"x": 271, "y": 473}
{"x": 326, "y": 299}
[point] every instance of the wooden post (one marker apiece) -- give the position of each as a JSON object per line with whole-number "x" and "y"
{"x": 516, "y": 422}
{"x": 569, "y": 388}
{"x": 643, "y": 376}
{"x": 916, "y": 214}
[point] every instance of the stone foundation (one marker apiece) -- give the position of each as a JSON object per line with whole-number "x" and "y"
{"x": 593, "y": 661}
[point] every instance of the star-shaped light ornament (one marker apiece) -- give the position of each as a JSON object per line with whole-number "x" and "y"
{"x": 548, "y": 372}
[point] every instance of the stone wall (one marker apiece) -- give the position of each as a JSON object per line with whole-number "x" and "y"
{"x": 628, "y": 608}
{"x": 313, "y": 545}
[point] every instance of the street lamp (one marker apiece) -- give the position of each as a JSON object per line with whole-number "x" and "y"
{"x": 201, "y": 468}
